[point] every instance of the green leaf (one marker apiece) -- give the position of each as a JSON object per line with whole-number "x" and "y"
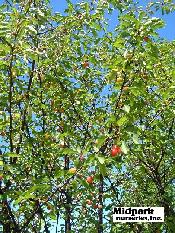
{"x": 12, "y": 155}
{"x": 101, "y": 159}
{"x": 87, "y": 8}
{"x": 25, "y": 196}
{"x": 119, "y": 42}
{"x": 103, "y": 170}
{"x": 112, "y": 119}
{"x": 96, "y": 149}
{"x": 122, "y": 121}
{"x": 67, "y": 151}
{"x": 31, "y": 28}
{"x": 135, "y": 139}
{"x": 135, "y": 91}
{"x": 101, "y": 140}
{"x": 124, "y": 147}
{"x": 96, "y": 26}
{"x": 126, "y": 108}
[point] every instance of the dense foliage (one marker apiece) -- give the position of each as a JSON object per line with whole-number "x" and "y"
{"x": 72, "y": 90}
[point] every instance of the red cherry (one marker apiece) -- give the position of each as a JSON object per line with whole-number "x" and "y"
{"x": 95, "y": 206}
{"x": 89, "y": 202}
{"x": 1, "y": 177}
{"x": 115, "y": 150}
{"x": 90, "y": 179}
{"x": 146, "y": 38}
{"x": 85, "y": 64}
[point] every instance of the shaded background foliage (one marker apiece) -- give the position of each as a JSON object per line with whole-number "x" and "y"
{"x": 70, "y": 89}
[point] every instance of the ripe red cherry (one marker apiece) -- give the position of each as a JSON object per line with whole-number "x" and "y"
{"x": 89, "y": 202}
{"x": 90, "y": 179}
{"x": 146, "y": 38}
{"x": 1, "y": 177}
{"x": 85, "y": 64}
{"x": 98, "y": 206}
{"x": 115, "y": 150}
